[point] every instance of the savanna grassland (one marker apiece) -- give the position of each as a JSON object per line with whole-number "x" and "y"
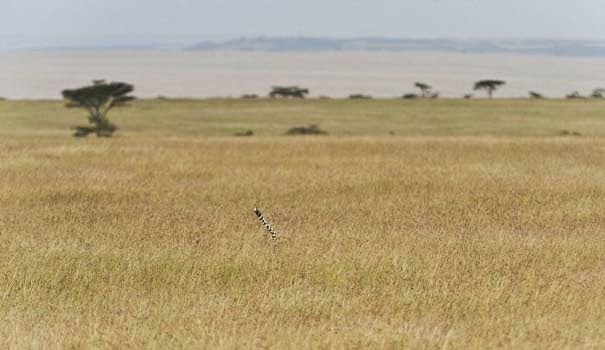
{"x": 415, "y": 224}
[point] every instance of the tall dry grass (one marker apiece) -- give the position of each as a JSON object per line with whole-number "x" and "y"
{"x": 407, "y": 242}
{"x": 389, "y": 242}
{"x": 268, "y": 118}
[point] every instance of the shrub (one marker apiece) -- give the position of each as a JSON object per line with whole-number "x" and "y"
{"x": 306, "y": 130}
{"x": 245, "y": 133}
{"x": 574, "y": 96}
{"x": 410, "y": 96}
{"x": 598, "y": 93}
{"x": 288, "y": 92}
{"x": 569, "y": 133}
{"x": 360, "y": 97}
{"x": 535, "y": 95}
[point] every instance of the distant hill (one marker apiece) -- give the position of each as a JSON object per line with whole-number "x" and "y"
{"x": 551, "y": 47}
{"x": 548, "y": 47}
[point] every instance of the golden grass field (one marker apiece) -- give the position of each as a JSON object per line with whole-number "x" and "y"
{"x": 415, "y": 224}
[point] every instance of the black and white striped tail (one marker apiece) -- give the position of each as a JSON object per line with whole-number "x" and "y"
{"x": 265, "y": 223}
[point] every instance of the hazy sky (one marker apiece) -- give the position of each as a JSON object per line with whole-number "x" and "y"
{"x": 168, "y": 19}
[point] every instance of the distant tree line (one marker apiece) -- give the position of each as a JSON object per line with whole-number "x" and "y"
{"x": 597, "y": 93}
{"x": 99, "y": 98}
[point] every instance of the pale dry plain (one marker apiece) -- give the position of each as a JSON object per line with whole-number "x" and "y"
{"x": 381, "y": 74}
{"x": 432, "y": 225}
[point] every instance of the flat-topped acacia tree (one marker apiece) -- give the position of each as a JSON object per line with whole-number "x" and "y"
{"x": 98, "y": 99}
{"x": 489, "y": 85}
{"x": 425, "y": 89}
{"x": 288, "y": 92}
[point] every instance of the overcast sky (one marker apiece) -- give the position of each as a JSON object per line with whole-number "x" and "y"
{"x": 221, "y": 19}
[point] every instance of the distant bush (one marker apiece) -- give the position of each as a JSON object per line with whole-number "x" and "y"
{"x": 569, "y": 133}
{"x": 306, "y": 130}
{"x": 598, "y": 93}
{"x": 244, "y": 133}
{"x": 288, "y": 92}
{"x": 2, "y": 98}
{"x": 324, "y": 97}
{"x": 249, "y": 96}
{"x": 468, "y": 96}
{"x": 535, "y": 95}
{"x": 83, "y": 131}
{"x": 360, "y": 97}
{"x": 410, "y": 96}
{"x": 574, "y": 96}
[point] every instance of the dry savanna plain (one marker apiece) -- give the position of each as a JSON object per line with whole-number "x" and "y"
{"x": 442, "y": 224}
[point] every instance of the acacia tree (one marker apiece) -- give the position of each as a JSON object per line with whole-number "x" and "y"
{"x": 288, "y": 91}
{"x": 598, "y": 93}
{"x": 98, "y": 99}
{"x": 535, "y": 95}
{"x": 489, "y": 85}
{"x": 425, "y": 89}
{"x": 574, "y": 95}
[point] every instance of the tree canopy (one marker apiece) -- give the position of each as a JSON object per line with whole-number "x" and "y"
{"x": 489, "y": 85}
{"x": 598, "y": 93}
{"x": 422, "y": 86}
{"x": 288, "y": 91}
{"x": 98, "y": 99}
{"x": 574, "y": 95}
{"x": 535, "y": 95}
{"x": 426, "y": 90}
